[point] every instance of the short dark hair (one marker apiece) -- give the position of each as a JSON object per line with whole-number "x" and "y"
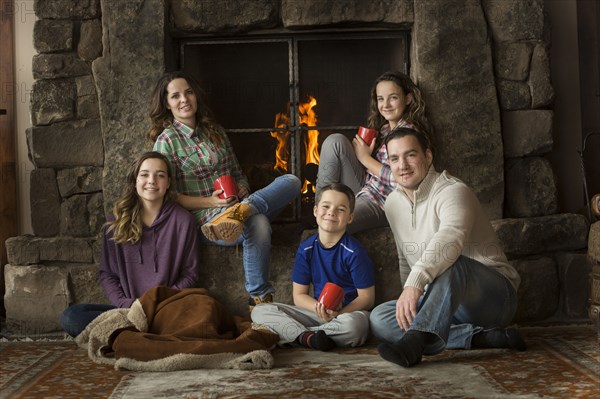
{"x": 341, "y": 188}
{"x": 400, "y": 132}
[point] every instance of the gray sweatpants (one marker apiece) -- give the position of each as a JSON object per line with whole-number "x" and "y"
{"x": 348, "y": 329}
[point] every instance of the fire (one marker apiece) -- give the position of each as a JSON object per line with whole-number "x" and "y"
{"x": 308, "y": 118}
{"x": 282, "y": 153}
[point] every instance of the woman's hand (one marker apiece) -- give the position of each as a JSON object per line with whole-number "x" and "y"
{"x": 217, "y": 202}
{"x": 361, "y": 149}
{"x": 242, "y": 192}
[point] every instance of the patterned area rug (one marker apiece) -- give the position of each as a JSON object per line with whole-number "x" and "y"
{"x": 562, "y": 362}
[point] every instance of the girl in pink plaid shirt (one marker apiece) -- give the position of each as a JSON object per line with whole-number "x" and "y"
{"x": 395, "y": 102}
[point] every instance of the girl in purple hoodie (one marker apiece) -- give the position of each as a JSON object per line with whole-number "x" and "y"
{"x": 150, "y": 240}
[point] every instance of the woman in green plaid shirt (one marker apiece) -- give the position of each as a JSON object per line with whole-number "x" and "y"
{"x": 185, "y": 131}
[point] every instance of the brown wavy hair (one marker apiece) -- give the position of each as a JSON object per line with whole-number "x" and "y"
{"x": 423, "y": 139}
{"x": 127, "y": 209}
{"x": 161, "y": 116}
{"x": 414, "y": 112}
{"x": 340, "y": 188}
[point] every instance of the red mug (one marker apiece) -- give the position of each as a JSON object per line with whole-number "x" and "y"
{"x": 367, "y": 134}
{"x": 227, "y": 184}
{"x": 332, "y": 296}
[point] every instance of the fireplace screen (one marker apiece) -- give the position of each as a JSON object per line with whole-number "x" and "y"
{"x": 279, "y": 98}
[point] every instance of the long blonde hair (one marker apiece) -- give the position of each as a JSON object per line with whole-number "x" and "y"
{"x": 127, "y": 209}
{"x": 161, "y": 116}
{"x": 414, "y": 113}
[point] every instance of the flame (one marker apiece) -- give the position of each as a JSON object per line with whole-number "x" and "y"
{"x": 282, "y": 153}
{"x": 307, "y": 117}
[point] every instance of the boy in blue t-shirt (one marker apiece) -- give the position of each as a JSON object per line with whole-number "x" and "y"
{"x": 333, "y": 256}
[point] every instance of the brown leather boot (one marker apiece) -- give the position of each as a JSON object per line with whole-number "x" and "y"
{"x": 228, "y": 226}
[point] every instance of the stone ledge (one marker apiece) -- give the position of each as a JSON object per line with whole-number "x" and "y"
{"x": 66, "y": 144}
{"x": 539, "y": 292}
{"x": 574, "y": 274}
{"x": 29, "y": 250}
{"x": 311, "y": 13}
{"x": 74, "y": 261}
{"x": 530, "y": 236}
{"x": 35, "y": 297}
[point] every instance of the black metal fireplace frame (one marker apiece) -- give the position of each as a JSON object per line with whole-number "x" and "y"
{"x": 293, "y": 41}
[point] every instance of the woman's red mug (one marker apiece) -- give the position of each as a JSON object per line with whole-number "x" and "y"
{"x": 332, "y": 296}
{"x": 227, "y": 184}
{"x": 367, "y": 134}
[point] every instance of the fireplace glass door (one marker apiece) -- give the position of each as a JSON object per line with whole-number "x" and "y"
{"x": 279, "y": 98}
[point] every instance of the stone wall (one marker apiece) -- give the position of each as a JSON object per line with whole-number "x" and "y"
{"x": 483, "y": 67}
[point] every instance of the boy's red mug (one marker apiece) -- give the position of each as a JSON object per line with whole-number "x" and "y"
{"x": 367, "y": 134}
{"x": 332, "y": 296}
{"x": 227, "y": 184}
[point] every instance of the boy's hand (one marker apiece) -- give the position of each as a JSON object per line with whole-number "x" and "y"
{"x": 323, "y": 313}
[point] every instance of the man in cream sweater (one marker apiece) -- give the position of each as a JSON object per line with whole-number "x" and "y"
{"x": 459, "y": 289}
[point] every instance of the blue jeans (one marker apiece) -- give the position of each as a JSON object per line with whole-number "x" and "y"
{"x": 466, "y": 299}
{"x": 266, "y": 204}
{"x": 75, "y": 319}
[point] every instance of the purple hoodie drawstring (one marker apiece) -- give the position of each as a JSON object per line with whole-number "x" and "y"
{"x": 155, "y": 252}
{"x": 155, "y": 257}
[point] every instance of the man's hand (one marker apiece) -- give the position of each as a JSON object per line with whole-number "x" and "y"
{"x": 406, "y": 306}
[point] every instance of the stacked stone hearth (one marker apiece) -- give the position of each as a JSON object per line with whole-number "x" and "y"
{"x": 483, "y": 67}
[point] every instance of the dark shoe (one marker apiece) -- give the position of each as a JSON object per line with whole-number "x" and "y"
{"x": 407, "y": 352}
{"x": 515, "y": 340}
{"x": 499, "y": 338}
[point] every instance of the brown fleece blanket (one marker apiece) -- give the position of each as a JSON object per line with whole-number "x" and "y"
{"x": 168, "y": 329}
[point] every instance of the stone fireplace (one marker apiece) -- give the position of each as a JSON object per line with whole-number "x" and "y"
{"x": 482, "y": 65}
